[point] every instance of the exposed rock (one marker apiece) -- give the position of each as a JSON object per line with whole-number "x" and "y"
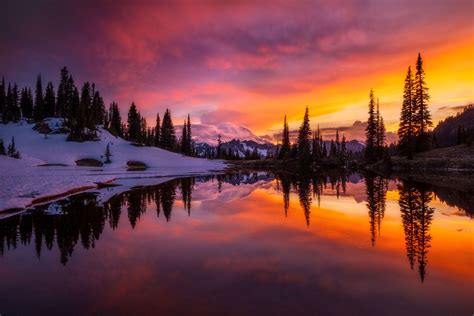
{"x": 134, "y": 165}
{"x": 89, "y": 162}
{"x": 42, "y": 127}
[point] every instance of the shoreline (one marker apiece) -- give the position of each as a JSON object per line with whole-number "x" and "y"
{"x": 73, "y": 181}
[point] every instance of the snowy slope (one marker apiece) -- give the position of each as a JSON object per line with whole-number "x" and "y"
{"x": 55, "y": 149}
{"x": 23, "y": 180}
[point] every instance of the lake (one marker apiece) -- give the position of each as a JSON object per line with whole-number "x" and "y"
{"x": 244, "y": 244}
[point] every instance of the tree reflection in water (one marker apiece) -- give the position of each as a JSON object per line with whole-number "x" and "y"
{"x": 81, "y": 218}
{"x": 416, "y": 219}
{"x": 376, "y": 191}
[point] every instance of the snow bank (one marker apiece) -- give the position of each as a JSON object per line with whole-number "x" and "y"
{"x": 23, "y": 180}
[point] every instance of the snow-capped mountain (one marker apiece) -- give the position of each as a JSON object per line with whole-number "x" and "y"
{"x": 353, "y": 146}
{"x": 238, "y": 147}
{"x": 203, "y": 133}
{"x": 241, "y": 140}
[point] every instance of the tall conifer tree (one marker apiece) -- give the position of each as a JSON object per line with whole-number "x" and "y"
{"x": 285, "y": 142}
{"x": 133, "y": 124}
{"x": 304, "y": 146}
{"x": 422, "y": 114}
{"x": 49, "y": 101}
{"x": 3, "y": 100}
{"x": 371, "y": 130}
{"x": 157, "y": 129}
{"x": 168, "y": 134}
{"x": 38, "y": 111}
{"x": 406, "y": 128}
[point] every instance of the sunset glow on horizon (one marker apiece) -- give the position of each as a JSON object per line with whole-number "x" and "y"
{"x": 245, "y": 62}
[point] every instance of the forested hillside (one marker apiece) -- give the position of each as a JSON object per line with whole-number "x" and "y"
{"x": 456, "y": 130}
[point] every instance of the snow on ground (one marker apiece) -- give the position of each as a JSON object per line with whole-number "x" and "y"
{"x": 23, "y": 180}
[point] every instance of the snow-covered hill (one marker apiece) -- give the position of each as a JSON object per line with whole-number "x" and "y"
{"x": 23, "y": 180}
{"x": 56, "y": 150}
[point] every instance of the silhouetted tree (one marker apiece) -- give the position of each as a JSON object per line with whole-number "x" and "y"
{"x": 157, "y": 130}
{"x": 168, "y": 134}
{"x": 133, "y": 124}
{"x": 38, "y": 111}
{"x": 98, "y": 107}
{"x": 416, "y": 218}
{"x": 115, "y": 120}
{"x": 49, "y": 100}
{"x": 65, "y": 101}
{"x": 406, "y": 129}
{"x": 304, "y": 144}
{"x": 422, "y": 116}
{"x": 2, "y": 148}
{"x": 186, "y": 142}
{"x": 107, "y": 154}
{"x": 3, "y": 100}
{"x": 304, "y": 195}
{"x": 26, "y": 103}
{"x": 376, "y": 191}
{"x": 285, "y": 142}
{"x": 371, "y": 131}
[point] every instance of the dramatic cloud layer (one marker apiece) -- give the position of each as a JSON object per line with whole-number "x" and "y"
{"x": 245, "y": 62}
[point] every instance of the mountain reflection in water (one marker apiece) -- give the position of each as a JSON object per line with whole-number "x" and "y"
{"x": 330, "y": 207}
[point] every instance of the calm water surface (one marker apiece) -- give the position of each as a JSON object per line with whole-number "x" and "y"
{"x": 244, "y": 244}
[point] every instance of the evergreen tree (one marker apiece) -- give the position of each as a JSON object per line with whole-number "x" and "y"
{"x": 189, "y": 136}
{"x": 12, "y": 152}
{"x": 133, "y": 124}
{"x": 332, "y": 150}
{"x": 285, "y": 143}
{"x": 2, "y": 147}
{"x": 49, "y": 101}
{"x": 380, "y": 133}
{"x": 157, "y": 130}
{"x": 80, "y": 121}
{"x": 26, "y": 103}
{"x": 315, "y": 147}
{"x": 98, "y": 108}
{"x": 115, "y": 120}
{"x": 73, "y": 120}
{"x": 3, "y": 100}
{"x": 13, "y": 106}
{"x": 422, "y": 116}
{"x": 38, "y": 111}
{"x": 219, "y": 147}
{"x": 406, "y": 129}
{"x": 184, "y": 141}
{"x": 107, "y": 154}
{"x": 371, "y": 131}
{"x": 168, "y": 134}
{"x": 304, "y": 146}
{"x": 343, "y": 152}
{"x": 143, "y": 129}
{"x": 65, "y": 96}
{"x": 422, "y": 113}
{"x": 8, "y": 114}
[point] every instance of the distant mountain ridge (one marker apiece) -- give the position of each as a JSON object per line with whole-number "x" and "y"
{"x": 243, "y": 147}
{"x": 204, "y": 133}
{"x": 241, "y": 140}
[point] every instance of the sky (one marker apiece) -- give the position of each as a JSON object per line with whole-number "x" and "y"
{"x": 248, "y": 62}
